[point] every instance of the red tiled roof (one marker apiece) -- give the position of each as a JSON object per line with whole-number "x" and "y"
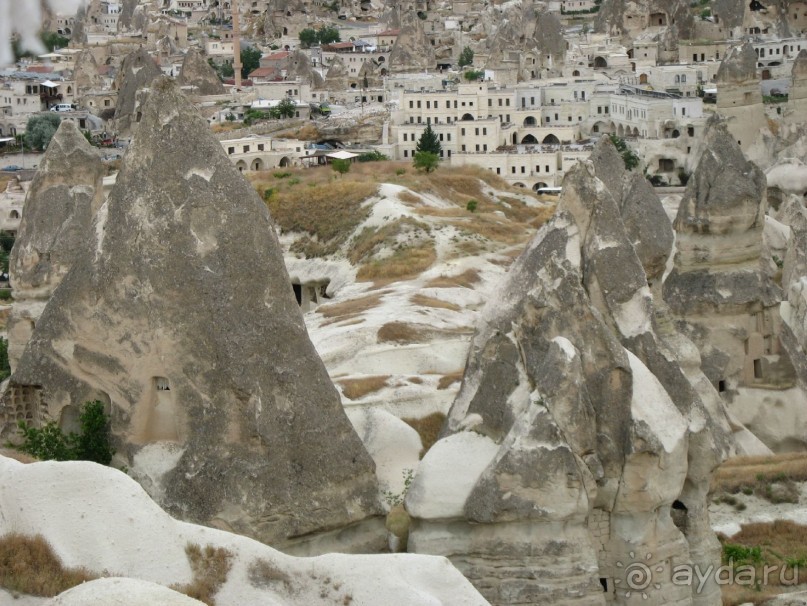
{"x": 276, "y": 56}
{"x": 263, "y": 72}
{"x": 40, "y": 69}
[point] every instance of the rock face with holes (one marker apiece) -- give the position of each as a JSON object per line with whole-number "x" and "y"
{"x": 64, "y": 196}
{"x": 584, "y": 434}
{"x": 86, "y": 74}
{"x": 412, "y": 50}
{"x": 136, "y": 73}
{"x": 740, "y": 97}
{"x": 197, "y": 73}
{"x": 179, "y": 314}
{"x": 718, "y": 290}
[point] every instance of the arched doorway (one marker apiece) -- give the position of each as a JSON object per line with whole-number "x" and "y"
{"x": 576, "y": 73}
{"x": 257, "y": 164}
{"x": 766, "y": 74}
{"x": 529, "y": 140}
{"x": 467, "y": 117}
{"x": 539, "y": 185}
{"x": 600, "y": 63}
{"x": 642, "y": 78}
{"x": 241, "y": 166}
{"x": 551, "y": 139}
{"x": 530, "y": 121}
{"x": 285, "y": 161}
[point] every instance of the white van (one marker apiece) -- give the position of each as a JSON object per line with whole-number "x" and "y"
{"x": 62, "y": 107}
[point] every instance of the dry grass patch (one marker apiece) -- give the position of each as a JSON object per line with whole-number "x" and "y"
{"x": 267, "y": 575}
{"x": 465, "y": 280}
{"x": 425, "y": 301}
{"x": 313, "y": 202}
{"x": 415, "y": 380}
{"x": 403, "y": 332}
{"x": 409, "y": 198}
{"x": 779, "y": 545}
{"x": 29, "y": 565}
{"x": 428, "y": 429}
{"x": 353, "y": 389}
{"x": 401, "y": 233}
{"x": 210, "y": 566}
{"x": 448, "y": 380}
{"x": 351, "y": 308}
{"x": 769, "y": 477}
{"x": 406, "y": 262}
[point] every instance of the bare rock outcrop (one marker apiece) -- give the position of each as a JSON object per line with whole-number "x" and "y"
{"x": 179, "y": 315}
{"x": 585, "y": 432}
{"x": 64, "y": 196}
{"x": 412, "y": 50}
{"x": 197, "y": 72}
{"x": 299, "y": 66}
{"x": 646, "y": 224}
{"x": 137, "y": 72}
{"x": 337, "y": 76}
{"x": 86, "y": 74}
{"x": 718, "y": 289}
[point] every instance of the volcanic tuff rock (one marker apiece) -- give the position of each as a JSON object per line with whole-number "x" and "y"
{"x": 647, "y": 226}
{"x": 629, "y": 17}
{"x": 412, "y": 50}
{"x": 739, "y": 66}
{"x": 586, "y": 433}
{"x": 179, "y": 314}
{"x": 86, "y": 74}
{"x": 197, "y": 72}
{"x": 64, "y": 196}
{"x": 137, "y": 72}
{"x": 718, "y": 289}
{"x": 299, "y": 66}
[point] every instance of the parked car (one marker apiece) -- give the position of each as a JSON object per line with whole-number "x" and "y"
{"x": 11, "y": 168}
{"x": 62, "y": 107}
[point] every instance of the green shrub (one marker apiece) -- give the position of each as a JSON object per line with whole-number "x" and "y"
{"x": 92, "y": 443}
{"x": 50, "y": 443}
{"x": 47, "y": 442}
{"x": 400, "y": 171}
{"x": 372, "y": 156}
{"x": 426, "y": 161}
{"x": 340, "y": 166}
{"x": 281, "y": 175}
{"x": 471, "y": 206}
{"x": 5, "y": 368}
{"x": 629, "y": 157}
{"x": 738, "y": 554}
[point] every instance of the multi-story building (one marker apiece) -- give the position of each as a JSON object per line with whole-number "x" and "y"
{"x": 257, "y": 152}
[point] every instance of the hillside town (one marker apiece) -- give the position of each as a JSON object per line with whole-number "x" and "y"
{"x": 410, "y": 302}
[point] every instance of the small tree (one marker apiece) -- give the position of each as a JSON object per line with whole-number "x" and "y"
{"x": 426, "y": 161}
{"x": 40, "y": 130}
{"x": 92, "y": 444}
{"x": 629, "y": 157}
{"x": 328, "y": 35}
{"x": 429, "y": 142}
{"x": 473, "y": 74}
{"x": 308, "y": 37}
{"x": 250, "y": 60}
{"x": 466, "y": 57}
{"x": 340, "y": 166}
{"x": 286, "y": 108}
